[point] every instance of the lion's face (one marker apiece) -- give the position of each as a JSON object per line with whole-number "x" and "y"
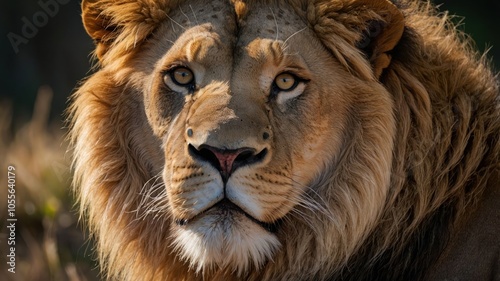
{"x": 267, "y": 131}
{"x": 251, "y": 118}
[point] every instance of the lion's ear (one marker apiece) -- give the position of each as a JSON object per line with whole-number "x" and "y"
{"x": 373, "y": 27}
{"x": 381, "y": 34}
{"x": 98, "y": 25}
{"x": 121, "y": 24}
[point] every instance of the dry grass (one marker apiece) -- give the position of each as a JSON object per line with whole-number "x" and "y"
{"x": 49, "y": 241}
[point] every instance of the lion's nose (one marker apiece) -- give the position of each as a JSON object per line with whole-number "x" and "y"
{"x": 227, "y": 160}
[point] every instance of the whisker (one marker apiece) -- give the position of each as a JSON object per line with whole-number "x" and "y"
{"x": 189, "y": 21}
{"x": 145, "y": 190}
{"x": 146, "y": 184}
{"x": 195, "y": 18}
{"x": 154, "y": 198}
{"x": 305, "y": 218}
{"x": 313, "y": 202}
{"x": 170, "y": 41}
{"x": 293, "y": 34}
{"x": 276, "y": 23}
{"x": 302, "y": 211}
{"x": 173, "y": 27}
{"x": 176, "y": 23}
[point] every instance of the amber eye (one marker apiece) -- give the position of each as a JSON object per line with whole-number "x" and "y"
{"x": 286, "y": 82}
{"x": 181, "y": 76}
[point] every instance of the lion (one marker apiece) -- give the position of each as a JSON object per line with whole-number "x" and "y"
{"x": 286, "y": 140}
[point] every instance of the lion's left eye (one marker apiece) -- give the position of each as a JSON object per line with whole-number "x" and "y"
{"x": 286, "y": 82}
{"x": 182, "y": 76}
{"x": 179, "y": 79}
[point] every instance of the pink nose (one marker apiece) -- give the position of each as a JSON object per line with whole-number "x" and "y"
{"x": 225, "y": 160}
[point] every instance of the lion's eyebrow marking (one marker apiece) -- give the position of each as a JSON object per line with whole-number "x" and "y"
{"x": 277, "y": 51}
{"x": 199, "y": 46}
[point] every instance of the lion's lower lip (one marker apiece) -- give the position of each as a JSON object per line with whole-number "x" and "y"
{"x": 226, "y": 204}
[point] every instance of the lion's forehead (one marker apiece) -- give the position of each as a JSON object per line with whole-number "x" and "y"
{"x": 235, "y": 30}
{"x": 269, "y": 22}
{"x": 190, "y": 13}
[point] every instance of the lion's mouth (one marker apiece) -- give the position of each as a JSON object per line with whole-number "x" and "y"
{"x": 225, "y": 205}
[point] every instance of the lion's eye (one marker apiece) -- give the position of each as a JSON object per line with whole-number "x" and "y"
{"x": 286, "y": 82}
{"x": 182, "y": 76}
{"x": 179, "y": 78}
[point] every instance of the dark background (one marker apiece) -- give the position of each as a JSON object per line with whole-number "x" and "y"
{"x": 58, "y": 55}
{"x": 36, "y": 81}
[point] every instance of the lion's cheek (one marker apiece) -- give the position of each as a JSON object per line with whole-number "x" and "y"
{"x": 264, "y": 196}
{"x": 315, "y": 155}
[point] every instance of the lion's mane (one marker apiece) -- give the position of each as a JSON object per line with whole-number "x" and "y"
{"x": 446, "y": 149}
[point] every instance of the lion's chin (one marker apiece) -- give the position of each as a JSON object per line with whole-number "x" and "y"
{"x": 224, "y": 239}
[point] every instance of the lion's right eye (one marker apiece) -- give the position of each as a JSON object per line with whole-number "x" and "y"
{"x": 287, "y": 86}
{"x": 286, "y": 82}
{"x": 180, "y": 76}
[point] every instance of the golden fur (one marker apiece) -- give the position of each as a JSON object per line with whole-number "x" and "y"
{"x": 370, "y": 168}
